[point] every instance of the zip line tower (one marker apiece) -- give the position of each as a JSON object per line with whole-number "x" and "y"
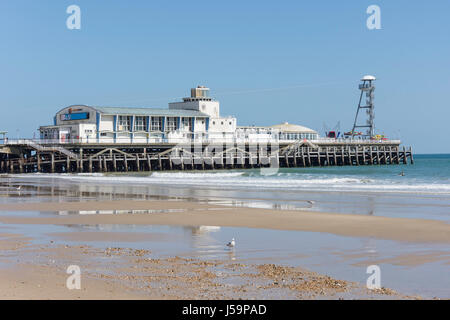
{"x": 367, "y": 87}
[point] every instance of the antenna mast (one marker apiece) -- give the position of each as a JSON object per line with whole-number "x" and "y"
{"x": 368, "y": 88}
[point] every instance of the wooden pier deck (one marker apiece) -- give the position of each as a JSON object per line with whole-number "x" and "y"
{"x": 29, "y": 157}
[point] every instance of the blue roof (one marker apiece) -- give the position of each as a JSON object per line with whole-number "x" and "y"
{"x": 150, "y": 111}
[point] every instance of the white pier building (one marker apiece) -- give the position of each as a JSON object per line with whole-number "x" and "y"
{"x": 189, "y": 135}
{"x": 197, "y": 118}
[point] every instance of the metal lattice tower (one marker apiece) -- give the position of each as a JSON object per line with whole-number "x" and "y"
{"x": 368, "y": 88}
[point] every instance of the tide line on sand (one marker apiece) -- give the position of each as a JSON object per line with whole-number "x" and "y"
{"x": 196, "y": 214}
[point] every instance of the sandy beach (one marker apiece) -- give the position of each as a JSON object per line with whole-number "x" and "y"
{"x": 131, "y": 274}
{"x": 130, "y": 245}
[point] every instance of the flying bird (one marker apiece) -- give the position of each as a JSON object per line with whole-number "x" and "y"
{"x": 18, "y": 188}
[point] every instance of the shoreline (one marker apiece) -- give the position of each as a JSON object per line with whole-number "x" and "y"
{"x": 195, "y": 214}
{"x": 139, "y": 179}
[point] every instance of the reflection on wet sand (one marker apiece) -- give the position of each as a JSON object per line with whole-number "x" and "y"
{"x": 202, "y": 241}
{"x": 55, "y": 189}
{"x": 202, "y": 230}
{"x": 82, "y": 192}
{"x": 83, "y": 212}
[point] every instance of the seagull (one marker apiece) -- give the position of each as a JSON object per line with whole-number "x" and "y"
{"x": 18, "y": 188}
{"x": 231, "y": 244}
{"x": 311, "y": 202}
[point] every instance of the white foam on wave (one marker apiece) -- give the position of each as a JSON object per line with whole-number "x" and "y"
{"x": 196, "y": 175}
{"x": 237, "y": 180}
{"x": 96, "y": 174}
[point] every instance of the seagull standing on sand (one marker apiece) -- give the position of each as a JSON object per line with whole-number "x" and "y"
{"x": 231, "y": 244}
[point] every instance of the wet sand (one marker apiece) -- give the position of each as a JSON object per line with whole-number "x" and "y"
{"x": 196, "y": 214}
{"x": 121, "y": 247}
{"x": 125, "y": 273}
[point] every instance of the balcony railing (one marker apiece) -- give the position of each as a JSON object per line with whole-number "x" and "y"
{"x": 36, "y": 143}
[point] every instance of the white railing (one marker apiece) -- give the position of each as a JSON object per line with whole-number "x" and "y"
{"x": 56, "y": 142}
{"x": 39, "y": 144}
{"x": 354, "y": 141}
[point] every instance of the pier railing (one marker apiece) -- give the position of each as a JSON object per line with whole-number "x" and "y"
{"x": 98, "y": 141}
{"x": 35, "y": 144}
{"x": 354, "y": 141}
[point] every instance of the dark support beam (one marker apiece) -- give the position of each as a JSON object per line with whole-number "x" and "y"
{"x": 52, "y": 169}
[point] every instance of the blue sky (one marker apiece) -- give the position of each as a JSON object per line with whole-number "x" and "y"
{"x": 266, "y": 61}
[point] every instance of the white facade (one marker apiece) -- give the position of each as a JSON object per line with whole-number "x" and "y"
{"x": 211, "y": 108}
{"x": 196, "y": 118}
{"x": 227, "y": 125}
{"x": 200, "y": 101}
{"x": 71, "y": 123}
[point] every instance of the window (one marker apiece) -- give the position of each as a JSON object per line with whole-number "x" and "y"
{"x": 156, "y": 124}
{"x": 171, "y": 124}
{"x": 124, "y": 123}
{"x": 186, "y": 123}
{"x": 140, "y": 123}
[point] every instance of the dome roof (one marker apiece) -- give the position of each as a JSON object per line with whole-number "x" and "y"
{"x": 368, "y": 77}
{"x": 292, "y": 128}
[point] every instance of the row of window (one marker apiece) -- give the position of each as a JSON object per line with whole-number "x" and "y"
{"x": 297, "y": 136}
{"x": 221, "y": 122}
{"x": 156, "y": 123}
{"x": 281, "y": 136}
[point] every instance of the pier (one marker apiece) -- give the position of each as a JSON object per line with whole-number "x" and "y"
{"x": 192, "y": 135}
{"x": 29, "y": 156}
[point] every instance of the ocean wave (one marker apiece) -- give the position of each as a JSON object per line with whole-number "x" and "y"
{"x": 243, "y": 180}
{"x": 196, "y": 175}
